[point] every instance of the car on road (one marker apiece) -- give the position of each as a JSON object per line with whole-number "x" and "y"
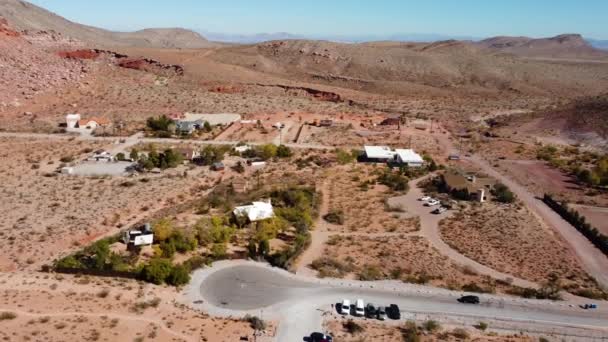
{"x": 589, "y": 306}
{"x": 319, "y": 337}
{"x": 370, "y": 310}
{"x": 425, "y": 198}
{"x": 381, "y": 315}
{"x": 432, "y": 202}
{"x": 345, "y": 307}
{"x": 359, "y": 307}
{"x": 469, "y": 299}
{"x": 439, "y": 210}
{"x": 393, "y": 311}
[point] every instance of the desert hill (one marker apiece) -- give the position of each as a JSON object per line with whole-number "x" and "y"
{"x": 562, "y": 46}
{"x": 22, "y": 15}
{"x": 401, "y": 67}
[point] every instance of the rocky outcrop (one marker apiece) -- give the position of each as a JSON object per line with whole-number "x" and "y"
{"x": 5, "y": 30}
{"x": 315, "y": 93}
{"x": 79, "y": 54}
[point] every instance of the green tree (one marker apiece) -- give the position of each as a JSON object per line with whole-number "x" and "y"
{"x": 157, "y": 270}
{"x": 267, "y": 151}
{"x": 502, "y": 193}
{"x": 120, "y": 156}
{"x": 284, "y": 152}
{"x": 163, "y": 229}
{"x": 134, "y": 155}
{"x": 252, "y": 249}
{"x": 263, "y": 248}
{"x": 218, "y": 250}
{"x": 179, "y": 276}
{"x": 161, "y": 123}
{"x": 207, "y": 127}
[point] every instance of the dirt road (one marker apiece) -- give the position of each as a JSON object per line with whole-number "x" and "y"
{"x": 592, "y": 259}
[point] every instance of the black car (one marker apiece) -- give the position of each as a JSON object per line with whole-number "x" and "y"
{"x": 469, "y": 299}
{"x": 320, "y": 337}
{"x": 393, "y": 311}
{"x": 370, "y": 310}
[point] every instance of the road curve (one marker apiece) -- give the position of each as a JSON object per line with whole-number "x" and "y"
{"x": 236, "y": 288}
{"x": 592, "y": 259}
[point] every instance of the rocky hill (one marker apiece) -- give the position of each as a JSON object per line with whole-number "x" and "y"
{"x": 22, "y": 15}
{"x": 562, "y": 46}
{"x": 406, "y": 67}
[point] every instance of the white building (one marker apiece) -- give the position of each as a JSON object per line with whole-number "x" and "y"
{"x": 384, "y": 154}
{"x": 242, "y": 148}
{"x": 72, "y": 120}
{"x": 380, "y": 154}
{"x": 256, "y": 211}
{"x": 408, "y": 157}
{"x": 143, "y": 237}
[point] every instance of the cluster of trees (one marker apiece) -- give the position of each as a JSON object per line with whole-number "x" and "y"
{"x": 578, "y": 221}
{"x": 211, "y": 154}
{"x": 596, "y": 176}
{"x": 345, "y": 157}
{"x": 502, "y": 193}
{"x": 164, "y": 160}
{"x": 268, "y": 151}
{"x": 396, "y": 181}
{"x": 589, "y": 168}
{"x": 162, "y": 126}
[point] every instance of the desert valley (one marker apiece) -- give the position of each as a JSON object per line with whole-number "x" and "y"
{"x": 157, "y": 186}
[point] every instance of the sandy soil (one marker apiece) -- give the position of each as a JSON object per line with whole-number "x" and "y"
{"x": 49, "y": 307}
{"x": 47, "y": 216}
{"x": 510, "y": 239}
{"x": 597, "y": 216}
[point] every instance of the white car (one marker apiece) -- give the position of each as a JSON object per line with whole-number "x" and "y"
{"x": 425, "y": 198}
{"x": 345, "y": 307}
{"x": 359, "y": 307}
{"x": 432, "y": 202}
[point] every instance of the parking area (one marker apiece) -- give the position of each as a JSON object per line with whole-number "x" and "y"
{"x": 101, "y": 168}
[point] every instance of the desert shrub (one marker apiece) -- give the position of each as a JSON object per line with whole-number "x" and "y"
{"x": 69, "y": 262}
{"x": 431, "y": 326}
{"x": 344, "y": 157}
{"x": 335, "y": 217}
{"x": 591, "y": 293}
{"x": 218, "y": 251}
{"x": 483, "y": 326}
{"x": 163, "y": 229}
{"x": 330, "y": 267}
{"x": 157, "y": 270}
{"x": 256, "y": 322}
{"x": 409, "y": 332}
{"x": 66, "y": 159}
{"x": 195, "y": 262}
{"x": 159, "y": 124}
{"x": 283, "y": 152}
{"x": 370, "y": 272}
{"x": 353, "y": 327}
{"x": 460, "y": 333}
{"x": 5, "y": 316}
{"x": 502, "y": 193}
{"x": 120, "y": 156}
{"x": 179, "y": 276}
{"x": 395, "y": 181}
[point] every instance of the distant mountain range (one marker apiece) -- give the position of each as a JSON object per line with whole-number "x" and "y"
{"x": 404, "y": 37}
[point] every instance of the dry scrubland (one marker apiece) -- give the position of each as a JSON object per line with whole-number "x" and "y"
{"x": 48, "y": 214}
{"x": 384, "y": 333}
{"x": 47, "y": 307}
{"x": 511, "y": 240}
{"x": 408, "y": 258}
{"x": 353, "y": 191}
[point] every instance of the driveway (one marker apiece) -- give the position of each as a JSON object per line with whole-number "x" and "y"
{"x": 592, "y": 259}
{"x": 237, "y": 288}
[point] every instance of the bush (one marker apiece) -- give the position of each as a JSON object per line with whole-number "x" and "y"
{"x": 352, "y": 327}
{"x": 370, "y": 272}
{"x": 502, "y": 193}
{"x": 394, "y": 181}
{"x": 120, "y": 156}
{"x": 4, "y": 316}
{"x": 161, "y": 123}
{"x": 460, "y": 333}
{"x": 157, "y": 270}
{"x": 284, "y": 152}
{"x": 256, "y": 322}
{"x": 410, "y": 332}
{"x": 179, "y": 276}
{"x": 483, "y": 326}
{"x": 431, "y": 326}
{"x": 335, "y": 217}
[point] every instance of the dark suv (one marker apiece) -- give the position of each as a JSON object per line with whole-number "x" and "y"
{"x": 393, "y": 311}
{"x": 319, "y": 337}
{"x": 469, "y": 299}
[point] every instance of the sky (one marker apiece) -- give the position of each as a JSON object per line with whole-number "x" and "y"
{"x": 475, "y": 18}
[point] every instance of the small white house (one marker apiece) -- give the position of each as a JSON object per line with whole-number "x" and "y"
{"x": 408, "y": 157}
{"x": 380, "y": 154}
{"x": 102, "y": 156}
{"x": 71, "y": 120}
{"x": 256, "y": 211}
{"x": 242, "y": 148}
{"x": 143, "y": 237}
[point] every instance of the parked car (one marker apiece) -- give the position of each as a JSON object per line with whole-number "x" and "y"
{"x": 370, "y": 310}
{"x": 439, "y": 210}
{"x": 432, "y": 202}
{"x": 381, "y": 315}
{"x": 345, "y": 307}
{"x": 320, "y": 337}
{"x": 425, "y": 198}
{"x": 393, "y": 311}
{"x": 359, "y": 307}
{"x": 469, "y": 299}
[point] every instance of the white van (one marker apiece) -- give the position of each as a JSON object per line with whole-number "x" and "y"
{"x": 345, "y": 307}
{"x": 359, "y": 308}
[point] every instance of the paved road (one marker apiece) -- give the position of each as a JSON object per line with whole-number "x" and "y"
{"x": 592, "y": 259}
{"x": 429, "y": 228}
{"x": 236, "y": 288}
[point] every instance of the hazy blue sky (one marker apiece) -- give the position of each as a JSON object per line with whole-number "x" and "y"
{"x": 342, "y": 17}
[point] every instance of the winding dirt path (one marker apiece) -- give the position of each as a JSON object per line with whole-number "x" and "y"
{"x": 429, "y": 225}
